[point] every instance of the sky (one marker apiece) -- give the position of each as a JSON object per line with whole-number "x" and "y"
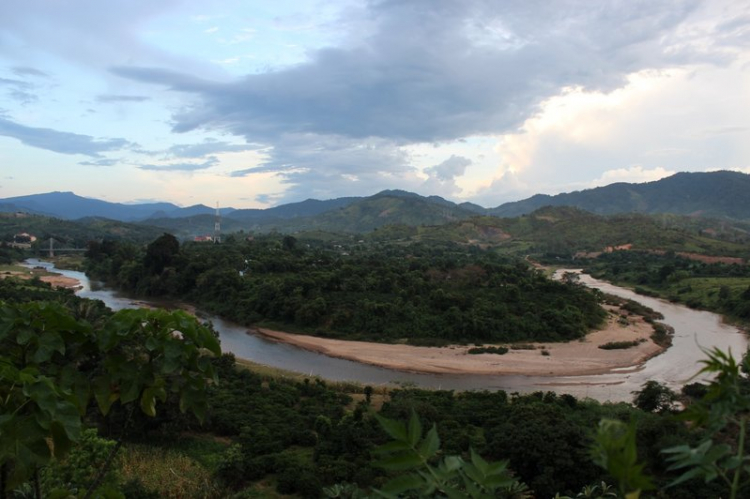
{"x": 253, "y": 104}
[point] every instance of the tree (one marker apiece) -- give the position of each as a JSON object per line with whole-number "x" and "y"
{"x": 289, "y": 243}
{"x": 51, "y": 366}
{"x": 161, "y": 253}
{"x": 654, "y": 397}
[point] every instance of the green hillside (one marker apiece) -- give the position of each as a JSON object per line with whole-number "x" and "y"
{"x": 566, "y": 230}
{"x": 76, "y": 234}
{"x": 722, "y": 194}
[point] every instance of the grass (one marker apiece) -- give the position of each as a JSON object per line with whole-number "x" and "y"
{"x": 169, "y": 472}
{"x": 13, "y": 268}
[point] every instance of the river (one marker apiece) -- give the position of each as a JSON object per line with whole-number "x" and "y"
{"x": 694, "y": 330}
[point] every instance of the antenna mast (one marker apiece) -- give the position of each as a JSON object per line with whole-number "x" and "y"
{"x": 217, "y": 225}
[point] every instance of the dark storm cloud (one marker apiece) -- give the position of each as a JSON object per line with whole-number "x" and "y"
{"x": 341, "y": 155}
{"x": 183, "y": 167}
{"x": 122, "y": 98}
{"x": 429, "y": 71}
{"x": 435, "y": 71}
{"x": 61, "y": 142}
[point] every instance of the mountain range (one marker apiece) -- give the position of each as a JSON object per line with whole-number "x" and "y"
{"x": 722, "y": 194}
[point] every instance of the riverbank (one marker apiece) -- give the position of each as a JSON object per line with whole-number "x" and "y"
{"x": 575, "y": 358}
{"x": 53, "y": 278}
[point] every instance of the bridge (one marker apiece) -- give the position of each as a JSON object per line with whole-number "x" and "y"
{"x": 53, "y": 249}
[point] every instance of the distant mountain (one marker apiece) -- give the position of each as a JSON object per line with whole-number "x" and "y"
{"x": 69, "y": 206}
{"x": 384, "y": 208}
{"x": 190, "y": 211}
{"x": 722, "y": 194}
{"x": 307, "y": 208}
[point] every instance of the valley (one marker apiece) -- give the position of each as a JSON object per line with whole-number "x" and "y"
{"x": 453, "y": 318}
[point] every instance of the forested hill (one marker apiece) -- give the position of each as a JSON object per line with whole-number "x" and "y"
{"x": 722, "y": 194}
{"x": 423, "y": 294}
{"x": 75, "y": 234}
{"x": 714, "y": 194}
{"x": 564, "y": 231}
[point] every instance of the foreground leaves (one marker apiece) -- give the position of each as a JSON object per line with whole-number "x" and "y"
{"x": 425, "y": 475}
{"x": 51, "y": 364}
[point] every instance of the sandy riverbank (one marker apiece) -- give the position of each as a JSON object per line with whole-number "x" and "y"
{"x": 580, "y": 357}
{"x": 56, "y": 280}
{"x": 565, "y": 359}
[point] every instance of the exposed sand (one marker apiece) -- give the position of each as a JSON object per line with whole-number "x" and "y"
{"x": 579, "y": 357}
{"x": 57, "y": 280}
{"x": 564, "y": 359}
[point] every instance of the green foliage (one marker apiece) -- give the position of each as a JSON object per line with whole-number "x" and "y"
{"x": 422, "y": 474}
{"x": 426, "y": 294}
{"x": 79, "y": 469}
{"x": 723, "y": 411}
{"x": 52, "y": 364}
{"x": 619, "y": 345}
{"x": 654, "y": 397}
{"x": 614, "y": 449}
{"x": 69, "y": 233}
{"x": 495, "y": 350}
{"x": 717, "y": 286}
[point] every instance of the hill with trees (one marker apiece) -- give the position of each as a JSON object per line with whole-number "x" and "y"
{"x": 722, "y": 194}
{"x": 423, "y": 294}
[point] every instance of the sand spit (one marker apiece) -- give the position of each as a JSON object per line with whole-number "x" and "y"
{"x": 575, "y": 358}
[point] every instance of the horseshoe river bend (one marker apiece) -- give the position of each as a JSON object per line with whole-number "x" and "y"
{"x": 694, "y": 331}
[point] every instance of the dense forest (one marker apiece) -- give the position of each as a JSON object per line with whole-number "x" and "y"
{"x": 424, "y": 294}
{"x": 260, "y": 435}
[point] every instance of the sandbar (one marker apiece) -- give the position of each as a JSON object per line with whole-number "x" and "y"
{"x": 574, "y": 358}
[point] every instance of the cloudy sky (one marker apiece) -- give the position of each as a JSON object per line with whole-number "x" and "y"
{"x": 254, "y": 104}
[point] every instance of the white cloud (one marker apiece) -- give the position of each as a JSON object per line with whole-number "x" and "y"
{"x": 633, "y": 174}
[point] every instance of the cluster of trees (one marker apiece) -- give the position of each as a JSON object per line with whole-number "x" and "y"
{"x": 9, "y": 254}
{"x": 424, "y": 293}
{"x": 720, "y": 287}
{"x": 72, "y": 233}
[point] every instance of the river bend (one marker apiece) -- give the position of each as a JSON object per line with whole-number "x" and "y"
{"x": 694, "y": 330}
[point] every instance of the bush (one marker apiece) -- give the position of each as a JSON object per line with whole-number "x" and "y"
{"x": 302, "y": 481}
{"x": 620, "y": 345}
{"x": 496, "y": 350}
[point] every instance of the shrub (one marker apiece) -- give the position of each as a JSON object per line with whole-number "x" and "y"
{"x": 620, "y": 345}
{"x": 496, "y": 350}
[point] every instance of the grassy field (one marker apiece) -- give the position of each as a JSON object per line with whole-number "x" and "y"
{"x": 170, "y": 472}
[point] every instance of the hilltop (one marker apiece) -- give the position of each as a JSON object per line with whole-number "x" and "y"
{"x": 722, "y": 194}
